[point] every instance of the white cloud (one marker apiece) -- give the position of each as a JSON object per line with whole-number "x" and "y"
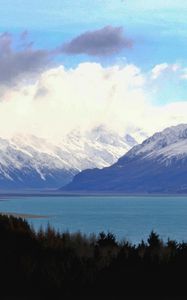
{"x": 87, "y": 96}
{"x": 163, "y": 68}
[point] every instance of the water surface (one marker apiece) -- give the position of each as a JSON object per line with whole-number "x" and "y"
{"x": 127, "y": 217}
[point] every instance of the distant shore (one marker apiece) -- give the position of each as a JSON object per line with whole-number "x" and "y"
{"x": 22, "y": 215}
{"x": 57, "y": 193}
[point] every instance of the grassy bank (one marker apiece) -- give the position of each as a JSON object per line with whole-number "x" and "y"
{"x": 72, "y": 266}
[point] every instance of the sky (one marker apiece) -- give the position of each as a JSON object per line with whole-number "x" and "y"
{"x": 67, "y": 64}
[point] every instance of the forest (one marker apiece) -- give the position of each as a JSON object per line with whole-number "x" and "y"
{"x": 54, "y": 265}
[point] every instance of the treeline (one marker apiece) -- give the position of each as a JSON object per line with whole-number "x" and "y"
{"x": 49, "y": 264}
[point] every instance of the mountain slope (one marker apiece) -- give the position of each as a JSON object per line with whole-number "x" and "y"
{"x": 158, "y": 165}
{"x": 27, "y": 161}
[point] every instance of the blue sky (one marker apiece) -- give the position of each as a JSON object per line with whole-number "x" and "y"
{"x": 149, "y": 33}
{"x": 158, "y": 28}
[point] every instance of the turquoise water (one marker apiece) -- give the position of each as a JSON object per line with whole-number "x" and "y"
{"x": 127, "y": 217}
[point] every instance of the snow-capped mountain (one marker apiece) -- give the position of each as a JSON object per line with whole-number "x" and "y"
{"x": 158, "y": 165}
{"x": 170, "y": 143}
{"x": 27, "y": 161}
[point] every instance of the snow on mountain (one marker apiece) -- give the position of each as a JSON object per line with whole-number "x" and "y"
{"x": 97, "y": 148}
{"x": 30, "y": 161}
{"x": 158, "y": 165}
{"x": 171, "y": 142}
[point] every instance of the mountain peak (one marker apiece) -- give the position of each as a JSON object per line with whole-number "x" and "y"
{"x": 31, "y": 161}
{"x": 158, "y": 165}
{"x": 171, "y": 135}
{"x": 164, "y": 143}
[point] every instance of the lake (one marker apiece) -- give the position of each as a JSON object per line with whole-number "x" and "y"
{"x": 131, "y": 218}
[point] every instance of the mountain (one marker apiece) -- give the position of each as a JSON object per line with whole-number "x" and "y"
{"x": 29, "y": 165}
{"x": 158, "y": 165}
{"x": 27, "y": 161}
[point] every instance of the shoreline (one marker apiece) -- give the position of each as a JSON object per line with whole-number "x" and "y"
{"x": 4, "y": 194}
{"x": 23, "y": 215}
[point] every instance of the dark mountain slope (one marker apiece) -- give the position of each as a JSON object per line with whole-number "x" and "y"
{"x": 158, "y": 165}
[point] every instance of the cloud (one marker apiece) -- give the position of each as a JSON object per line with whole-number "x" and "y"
{"x": 84, "y": 97}
{"x": 18, "y": 64}
{"x": 106, "y": 41}
{"x": 163, "y": 69}
{"x": 20, "y": 60}
{"x": 62, "y": 100}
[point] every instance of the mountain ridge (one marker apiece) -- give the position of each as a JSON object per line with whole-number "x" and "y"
{"x": 158, "y": 165}
{"x": 27, "y": 161}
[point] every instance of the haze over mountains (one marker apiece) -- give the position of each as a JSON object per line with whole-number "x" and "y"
{"x": 158, "y": 165}
{"x": 27, "y": 161}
